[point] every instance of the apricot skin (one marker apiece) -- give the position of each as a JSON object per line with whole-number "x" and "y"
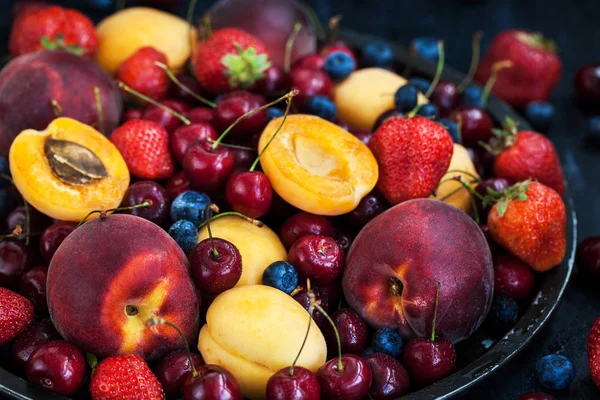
{"x": 461, "y": 161}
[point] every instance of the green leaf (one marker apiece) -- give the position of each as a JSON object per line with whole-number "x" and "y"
{"x": 47, "y": 43}
{"x": 502, "y": 207}
{"x": 92, "y": 360}
{"x": 493, "y": 192}
{"x": 522, "y": 197}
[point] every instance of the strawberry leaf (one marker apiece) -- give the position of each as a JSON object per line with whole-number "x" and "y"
{"x": 92, "y": 360}
{"x": 503, "y": 206}
{"x": 246, "y": 67}
{"x": 522, "y": 197}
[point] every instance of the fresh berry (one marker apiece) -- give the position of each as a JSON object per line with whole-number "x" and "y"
{"x": 541, "y": 114}
{"x": 428, "y": 361}
{"x": 388, "y": 341}
{"x": 178, "y": 184}
{"x": 186, "y": 135}
{"x": 309, "y": 83}
{"x": 302, "y": 224}
{"x": 140, "y": 72}
{"x": 405, "y": 98}
{"x": 588, "y": 255}
{"x": 421, "y": 84}
{"x": 494, "y": 184}
{"x": 426, "y": 47}
{"x": 151, "y": 193}
{"x": 249, "y": 193}
{"x": 352, "y": 330}
{"x": 275, "y": 82}
{"x": 535, "y": 396}
{"x": 472, "y": 96}
{"x": 216, "y": 265}
{"x": 302, "y": 297}
{"x": 316, "y": 257}
{"x": 445, "y": 97}
{"x": 125, "y": 376}
{"x": 339, "y": 46}
{"x": 198, "y": 115}
{"x": 273, "y": 113}
{"x": 503, "y": 314}
{"x": 212, "y": 382}
{"x": 26, "y": 343}
{"x": 512, "y": 277}
{"x": 593, "y": 352}
{"x": 18, "y": 217}
{"x": 281, "y": 275}
{"x": 53, "y": 236}
{"x": 587, "y": 84}
{"x": 554, "y": 371}
{"x": 390, "y": 379}
{"x": 475, "y": 124}
{"x": 232, "y": 106}
{"x": 344, "y": 239}
{"x": 16, "y": 314}
{"x": 368, "y": 351}
{"x": 301, "y": 384}
{"x": 338, "y": 65}
{"x": 172, "y": 371}
{"x": 188, "y": 81}
{"x": 190, "y": 206}
{"x": 320, "y": 106}
{"x": 244, "y": 158}
{"x": 377, "y": 54}
{"x": 429, "y": 111}
{"x": 350, "y": 382}
{"x": 33, "y": 286}
{"x": 452, "y": 128}
{"x": 163, "y": 117}
{"x": 185, "y": 234}
{"x": 207, "y": 168}
{"x": 14, "y": 259}
{"x": 311, "y": 61}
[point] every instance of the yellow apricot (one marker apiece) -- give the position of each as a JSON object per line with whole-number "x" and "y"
{"x": 126, "y": 31}
{"x": 362, "y": 97}
{"x": 317, "y": 166}
{"x": 254, "y": 331}
{"x": 68, "y": 170}
{"x": 258, "y": 246}
{"x": 461, "y": 161}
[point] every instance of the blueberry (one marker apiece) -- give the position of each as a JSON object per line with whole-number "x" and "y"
{"x": 405, "y": 98}
{"x": 540, "y": 114}
{"x": 321, "y": 106}
{"x": 338, "y": 65}
{"x": 273, "y": 112}
{"x": 429, "y": 111}
{"x": 388, "y": 341}
{"x": 452, "y": 128}
{"x": 367, "y": 351}
{"x": 191, "y": 206}
{"x": 377, "y": 54}
{"x": 554, "y": 371}
{"x": 426, "y": 47}
{"x": 421, "y": 84}
{"x": 7, "y": 203}
{"x": 593, "y": 136}
{"x": 185, "y": 234}
{"x": 503, "y": 313}
{"x": 472, "y": 96}
{"x": 281, "y": 275}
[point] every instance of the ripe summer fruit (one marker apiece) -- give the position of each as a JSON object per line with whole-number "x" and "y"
{"x": 302, "y": 224}
{"x": 16, "y": 314}
{"x": 27, "y": 342}
{"x": 172, "y": 371}
{"x": 140, "y": 73}
{"x": 152, "y": 194}
{"x": 512, "y": 277}
{"x": 588, "y": 255}
{"x": 319, "y": 258}
{"x": 593, "y": 352}
{"x": 390, "y": 379}
{"x": 53, "y": 236}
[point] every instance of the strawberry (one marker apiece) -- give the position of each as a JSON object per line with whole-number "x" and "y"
{"x": 141, "y": 73}
{"x": 16, "y": 314}
{"x": 52, "y": 27}
{"x": 413, "y": 155}
{"x": 529, "y": 221}
{"x": 593, "y": 352}
{"x": 536, "y": 67}
{"x": 144, "y": 146}
{"x": 522, "y": 155}
{"x": 230, "y": 59}
{"x": 125, "y": 377}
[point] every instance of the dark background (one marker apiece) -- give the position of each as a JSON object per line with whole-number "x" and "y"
{"x": 574, "y": 26}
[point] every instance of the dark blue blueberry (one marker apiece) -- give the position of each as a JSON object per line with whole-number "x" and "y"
{"x": 472, "y": 96}
{"x": 554, "y": 371}
{"x": 338, "y": 65}
{"x": 503, "y": 313}
{"x": 388, "y": 341}
{"x": 405, "y": 98}
{"x": 377, "y": 54}
{"x": 540, "y": 114}
{"x": 191, "y": 206}
{"x": 367, "y": 351}
{"x": 429, "y": 111}
{"x": 281, "y": 275}
{"x": 593, "y": 136}
{"x": 321, "y": 106}
{"x": 452, "y": 128}
{"x": 7, "y": 203}
{"x": 185, "y": 234}
{"x": 273, "y": 112}
{"x": 426, "y": 47}
{"x": 4, "y": 170}
{"x": 421, "y": 84}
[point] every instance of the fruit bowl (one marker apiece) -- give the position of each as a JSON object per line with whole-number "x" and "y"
{"x": 480, "y": 355}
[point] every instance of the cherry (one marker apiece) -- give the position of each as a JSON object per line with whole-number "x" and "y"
{"x": 362, "y": 135}
{"x": 37, "y": 221}
{"x": 200, "y": 115}
{"x": 300, "y": 384}
{"x": 388, "y": 114}
{"x": 274, "y": 83}
{"x": 249, "y": 193}
{"x": 446, "y": 97}
{"x": 212, "y": 382}
{"x": 319, "y": 258}
{"x": 186, "y": 135}
{"x": 311, "y": 61}
{"x": 475, "y": 124}
{"x": 207, "y": 168}
{"x": 33, "y": 286}
{"x": 352, "y": 329}
{"x": 344, "y": 239}
{"x": 243, "y": 158}
{"x": 166, "y": 118}
{"x": 341, "y": 47}
{"x": 302, "y": 224}
{"x": 390, "y": 379}
{"x": 495, "y": 184}
{"x": 368, "y": 208}
{"x": 58, "y": 366}
{"x": 303, "y": 297}
{"x": 587, "y": 83}
{"x": 173, "y": 370}
{"x": 178, "y": 184}
{"x": 535, "y": 396}
{"x": 309, "y": 83}
{"x": 588, "y": 255}
{"x": 53, "y": 236}
{"x": 151, "y": 193}
{"x": 329, "y": 294}
{"x": 132, "y": 113}
{"x": 178, "y": 93}
{"x": 233, "y": 106}
{"x": 14, "y": 259}
{"x": 512, "y": 277}
{"x": 37, "y": 334}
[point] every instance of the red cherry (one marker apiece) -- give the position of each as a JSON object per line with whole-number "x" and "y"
{"x": 154, "y": 194}
{"x": 199, "y": 115}
{"x": 173, "y": 370}
{"x": 33, "y": 286}
{"x": 178, "y": 184}
{"x": 14, "y": 259}
{"x": 132, "y": 113}
{"x": 512, "y": 277}
{"x": 309, "y": 83}
{"x": 217, "y": 272}
{"x": 587, "y": 83}
{"x": 351, "y": 382}
{"x": 445, "y": 97}
{"x": 319, "y": 258}
{"x": 58, "y": 366}
{"x": 235, "y": 104}
{"x": 37, "y": 221}
{"x": 311, "y": 61}
{"x": 330, "y": 294}
{"x": 390, "y": 379}
{"x": 302, "y": 297}
{"x": 274, "y": 83}
{"x": 352, "y": 329}
{"x": 53, "y": 236}
{"x": 588, "y": 255}
{"x": 535, "y": 396}
{"x": 428, "y": 361}
{"x": 191, "y": 83}
{"x": 207, "y": 169}
{"x": 186, "y": 135}
{"x": 368, "y": 208}
{"x": 344, "y": 239}
{"x": 26, "y": 343}
{"x": 243, "y": 158}
{"x": 249, "y": 193}
{"x": 212, "y": 382}
{"x": 163, "y": 117}
{"x": 302, "y": 224}
{"x": 476, "y": 124}
{"x": 301, "y": 385}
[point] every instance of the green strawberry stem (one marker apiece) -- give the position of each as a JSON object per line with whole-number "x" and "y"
{"x": 226, "y": 131}
{"x": 503, "y": 138}
{"x": 153, "y": 321}
{"x": 310, "y": 314}
{"x": 153, "y": 102}
{"x": 244, "y": 68}
{"x": 237, "y": 214}
{"x": 56, "y": 108}
{"x": 438, "y": 71}
{"x": 489, "y": 85}
{"x": 92, "y": 360}
{"x": 517, "y": 192}
{"x": 58, "y": 43}
{"x": 213, "y": 207}
{"x": 289, "y": 45}
{"x": 111, "y": 210}
{"x": 99, "y": 108}
{"x": 537, "y": 40}
{"x": 435, "y": 310}
{"x": 476, "y": 49}
{"x": 186, "y": 89}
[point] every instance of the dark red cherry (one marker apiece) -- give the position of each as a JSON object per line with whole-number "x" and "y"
{"x": 132, "y": 113}
{"x": 368, "y": 208}
{"x": 208, "y": 169}
{"x": 476, "y": 124}
{"x": 186, "y": 135}
{"x": 309, "y": 83}
{"x": 53, "y": 236}
{"x": 587, "y": 84}
{"x": 512, "y": 277}
{"x": 344, "y": 239}
{"x": 249, "y": 193}
{"x": 173, "y": 370}
{"x": 58, "y": 366}
{"x": 14, "y": 259}
{"x": 235, "y": 104}
{"x": 178, "y": 184}
{"x": 217, "y": 269}
{"x": 302, "y": 297}
{"x": 274, "y": 83}
{"x": 243, "y": 158}
{"x": 148, "y": 192}
{"x": 163, "y": 117}
{"x": 330, "y": 294}
{"x": 495, "y": 184}
{"x": 362, "y": 135}
{"x": 588, "y": 255}
{"x": 37, "y": 334}
{"x": 33, "y": 286}
{"x": 390, "y": 379}
{"x": 311, "y": 61}
{"x": 303, "y": 223}
{"x": 388, "y": 114}
{"x": 199, "y": 115}
{"x": 37, "y": 221}
{"x": 212, "y": 382}
{"x": 319, "y": 258}
{"x": 536, "y": 396}
{"x": 445, "y": 97}
{"x": 351, "y": 382}
{"x": 191, "y": 83}
{"x": 428, "y": 361}
{"x": 352, "y": 329}
{"x": 301, "y": 385}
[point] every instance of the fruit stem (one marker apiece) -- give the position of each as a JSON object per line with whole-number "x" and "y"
{"x": 151, "y": 322}
{"x": 446, "y": 197}
{"x": 6, "y": 177}
{"x": 190, "y": 16}
{"x": 316, "y": 305}
{"x": 285, "y": 96}
{"x": 476, "y": 48}
{"x": 469, "y": 174}
{"x": 224, "y": 214}
{"x": 56, "y": 108}
{"x": 489, "y": 85}
{"x": 435, "y": 310}
{"x": 289, "y": 44}
{"x": 213, "y": 207}
{"x": 186, "y": 89}
{"x": 438, "y": 71}
{"x": 99, "y": 108}
{"x": 314, "y": 18}
{"x": 334, "y": 27}
{"x": 142, "y": 205}
{"x": 206, "y": 25}
{"x": 233, "y": 146}
{"x": 288, "y": 102}
{"x": 459, "y": 125}
{"x": 27, "y": 222}
{"x": 153, "y": 102}
{"x": 310, "y": 313}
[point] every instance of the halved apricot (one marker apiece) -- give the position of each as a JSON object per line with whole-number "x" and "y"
{"x": 453, "y": 192}
{"x": 317, "y": 166}
{"x": 68, "y": 170}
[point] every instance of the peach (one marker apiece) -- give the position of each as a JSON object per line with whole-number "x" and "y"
{"x": 461, "y": 198}
{"x": 317, "y": 166}
{"x": 396, "y": 261}
{"x": 126, "y": 31}
{"x": 362, "y": 97}
{"x": 68, "y": 170}
{"x": 29, "y": 84}
{"x": 110, "y": 276}
{"x": 254, "y": 331}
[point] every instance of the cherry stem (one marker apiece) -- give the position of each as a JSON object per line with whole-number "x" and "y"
{"x": 289, "y": 44}
{"x": 190, "y": 16}
{"x": 151, "y": 322}
{"x": 438, "y": 71}
{"x": 153, "y": 102}
{"x": 489, "y": 85}
{"x": 233, "y": 146}
{"x": 469, "y": 174}
{"x": 99, "y": 108}
{"x": 310, "y": 314}
{"x": 476, "y": 48}
{"x": 206, "y": 25}
{"x": 6, "y": 177}
{"x": 446, "y": 197}
{"x": 287, "y": 110}
{"x": 285, "y": 96}
{"x": 334, "y": 27}
{"x": 111, "y": 210}
{"x": 435, "y": 310}
{"x": 224, "y": 214}
{"x": 27, "y": 222}
{"x": 56, "y": 108}
{"x": 316, "y": 305}
{"x": 459, "y": 125}
{"x": 186, "y": 89}
{"x": 213, "y": 207}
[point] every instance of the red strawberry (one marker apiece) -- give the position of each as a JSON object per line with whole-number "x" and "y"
{"x": 52, "y": 27}
{"x": 593, "y": 351}
{"x": 526, "y": 155}
{"x": 145, "y": 148}
{"x": 529, "y": 221}
{"x": 536, "y": 67}
{"x": 125, "y": 377}
{"x": 16, "y": 314}
{"x": 413, "y": 155}
{"x": 141, "y": 73}
{"x": 230, "y": 59}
